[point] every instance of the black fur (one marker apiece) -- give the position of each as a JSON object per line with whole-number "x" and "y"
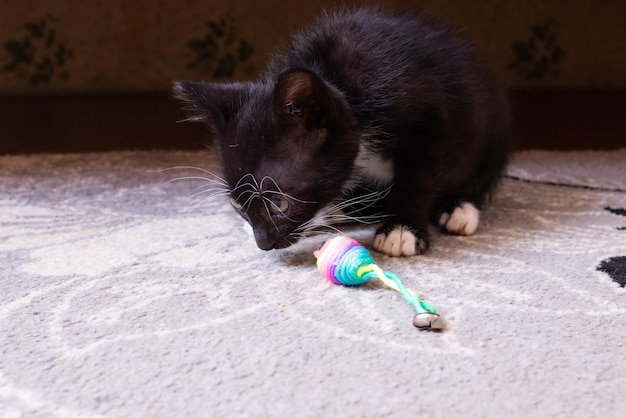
{"x": 399, "y": 86}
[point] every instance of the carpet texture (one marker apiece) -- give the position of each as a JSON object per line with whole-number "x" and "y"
{"x": 124, "y": 295}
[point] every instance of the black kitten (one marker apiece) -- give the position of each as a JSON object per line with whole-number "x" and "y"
{"x": 365, "y": 100}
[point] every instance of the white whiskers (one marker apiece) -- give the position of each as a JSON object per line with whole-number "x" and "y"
{"x": 216, "y": 187}
{"x": 344, "y": 212}
{"x": 266, "y": 191}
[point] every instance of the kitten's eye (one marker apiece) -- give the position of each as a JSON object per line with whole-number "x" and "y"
{"x": 235, "y": 204}
{"x": 280, "y": 205}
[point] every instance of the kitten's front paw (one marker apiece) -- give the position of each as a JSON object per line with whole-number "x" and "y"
{"x": 462, "y": 221}
{"x": 400, "y": 240}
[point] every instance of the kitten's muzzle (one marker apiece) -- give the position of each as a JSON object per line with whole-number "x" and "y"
{"x": 268, "y": 241}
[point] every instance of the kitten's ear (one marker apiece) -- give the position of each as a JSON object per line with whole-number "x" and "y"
{"x": 302, "y": 96}
{"x": 215, "y": 104}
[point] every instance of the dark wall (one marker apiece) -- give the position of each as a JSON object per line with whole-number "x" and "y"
{"x": 544, "y": 119}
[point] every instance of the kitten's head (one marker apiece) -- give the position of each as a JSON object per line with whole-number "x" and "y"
{"x": 287, "y": 148}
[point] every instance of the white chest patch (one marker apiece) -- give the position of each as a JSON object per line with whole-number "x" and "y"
{"x": 371, "y": 166}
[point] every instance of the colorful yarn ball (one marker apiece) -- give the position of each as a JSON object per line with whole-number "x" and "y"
{"x": 339, "y": 260}
{"x": 343, "y": 260}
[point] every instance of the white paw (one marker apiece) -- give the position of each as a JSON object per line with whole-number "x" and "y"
{"x": 399, "y": 242}
{"x": 463, "y": 220}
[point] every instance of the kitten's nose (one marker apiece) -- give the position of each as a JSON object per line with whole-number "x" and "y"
{"x": 264, "y": 240}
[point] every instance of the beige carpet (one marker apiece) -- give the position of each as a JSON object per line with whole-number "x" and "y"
{"x": 124, "y": 295}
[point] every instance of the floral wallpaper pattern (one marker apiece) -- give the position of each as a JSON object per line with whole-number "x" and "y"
{"x": 38, "y": 56}
{"x": 540, "y": 55}
{"x": 220, "y": 50}
{"x": 66, "y": 46}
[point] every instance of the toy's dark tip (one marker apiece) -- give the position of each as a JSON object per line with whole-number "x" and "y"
{"x": 430, "y": 321}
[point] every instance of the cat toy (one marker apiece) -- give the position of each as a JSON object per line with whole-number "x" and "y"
{"x": 343, "y": 260}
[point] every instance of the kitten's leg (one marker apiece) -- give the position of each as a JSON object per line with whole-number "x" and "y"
{"x": 406, "y": 233}
{"x": 459, "y": 212}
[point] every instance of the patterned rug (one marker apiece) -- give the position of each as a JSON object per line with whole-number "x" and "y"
{"x": 124, "y": 294}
